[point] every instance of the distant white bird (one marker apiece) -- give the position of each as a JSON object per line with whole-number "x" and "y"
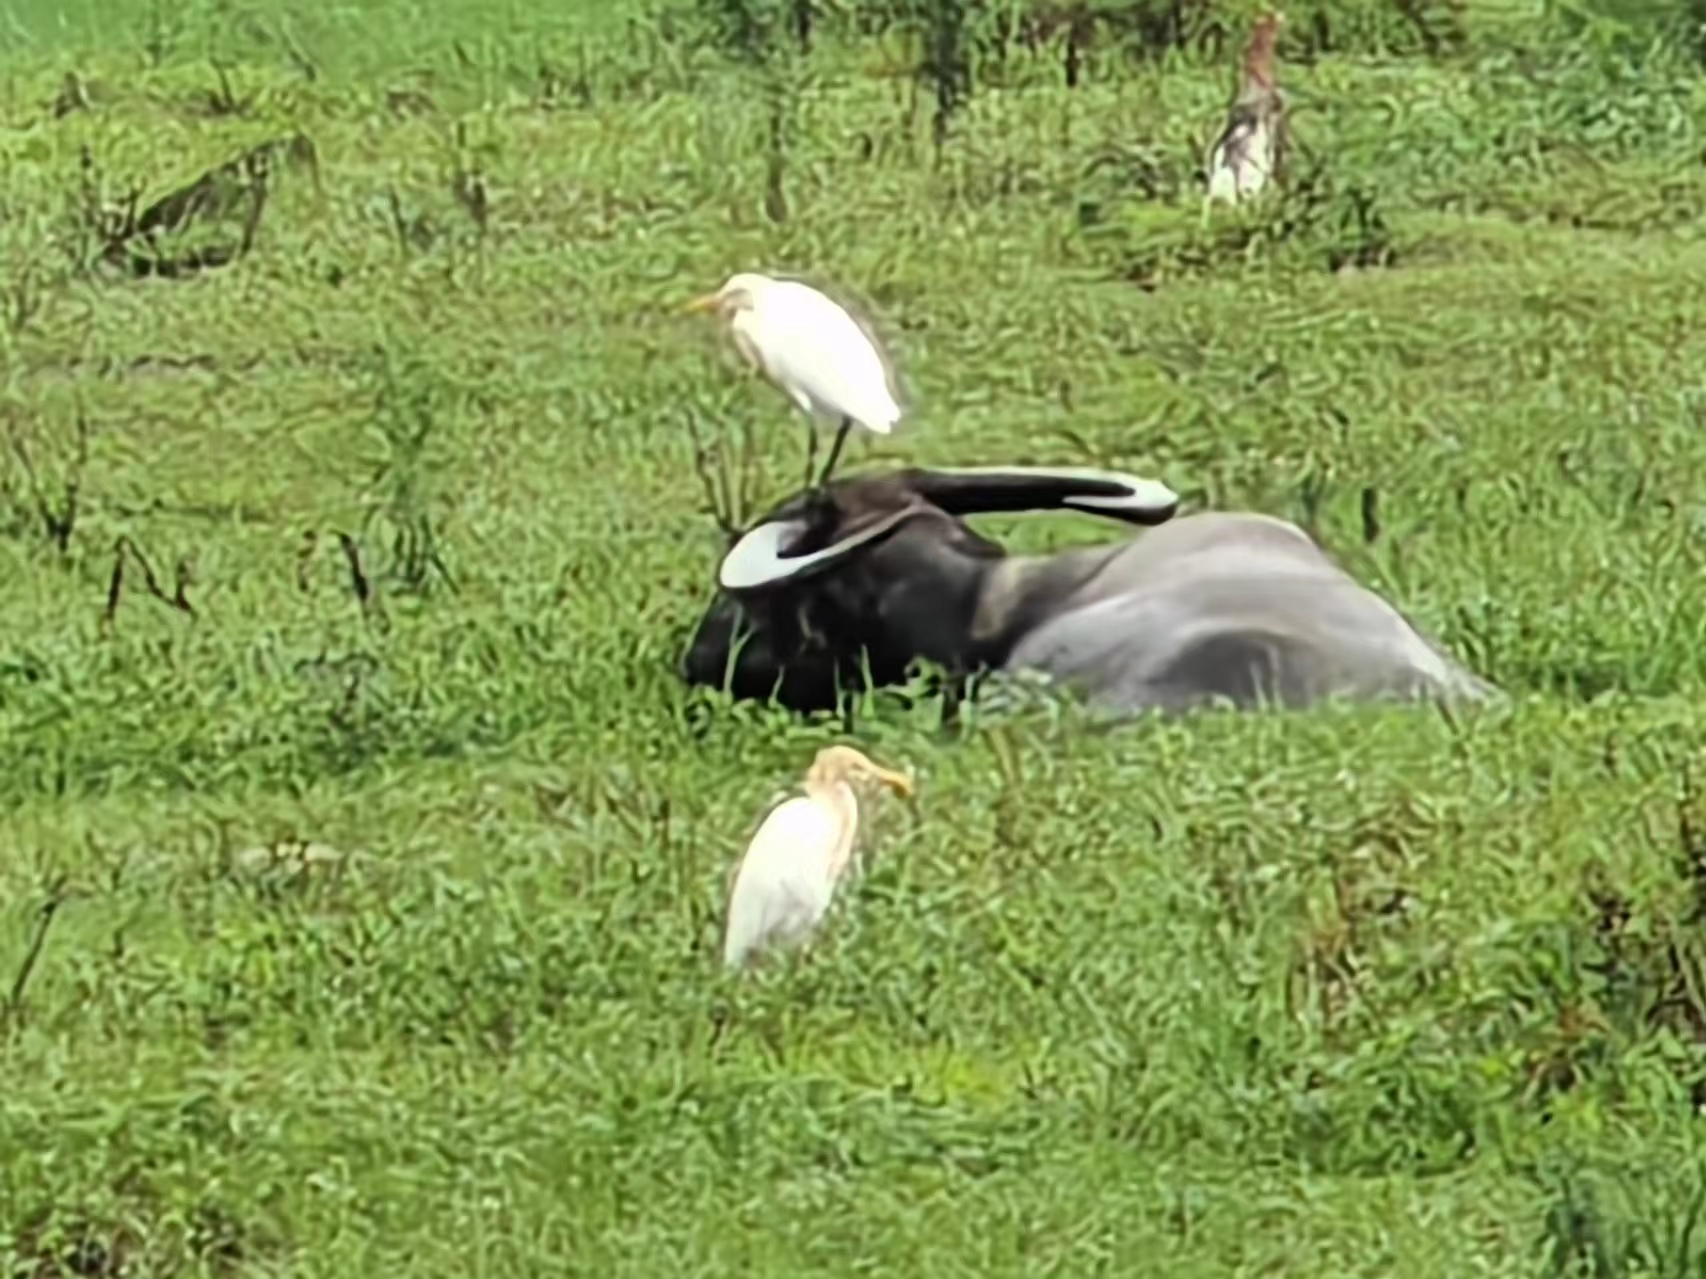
{"x": 788, "y": 875}
{"x": 809, "y": 346}
{"x": 1251, "y": 148}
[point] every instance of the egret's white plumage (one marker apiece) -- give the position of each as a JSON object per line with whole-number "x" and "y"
{"x": 813, "y": 350}
{"x": 782, "y": 889}
{"x": 1242, "y": 160}
{"x": 788, "y": 875}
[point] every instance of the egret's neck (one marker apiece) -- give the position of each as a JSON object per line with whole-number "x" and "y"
{"x": 1259, "y": 61}
{"x": 839, "y": 798}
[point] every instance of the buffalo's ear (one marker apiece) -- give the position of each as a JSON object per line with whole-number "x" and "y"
{"x": 760, "y": 560}
{"x": 989, "y": 489}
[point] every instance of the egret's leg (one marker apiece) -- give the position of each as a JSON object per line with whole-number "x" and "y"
{"x": 811, "y": 452}
{"x": 835, "y": 450}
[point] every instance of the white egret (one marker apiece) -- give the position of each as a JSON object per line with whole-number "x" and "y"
{"x": 787, "y": 877}
{"x": 1251, "y": 147}
{"x": 811, "y": 348}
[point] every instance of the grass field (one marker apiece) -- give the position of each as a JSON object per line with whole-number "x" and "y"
{"x": 1352, "y": 992}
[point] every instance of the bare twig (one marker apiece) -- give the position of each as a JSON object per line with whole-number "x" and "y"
{"x": 151, "y": 580}
{"x": 360, "y": 584}
{"x": 73, "y": 95}
{"x": 58, "y": 522}
{"x": 115, "y": 590}
{"x": 125, "y": 550}
{"x": 57, "y": 895}
{"x": 357, "y": 577}
{"x": 224, "y": 99}
{"x": 293, "y": 50}
{"x": 183, "y": 577}
{"x": 720, "y": 499}
{"x": 257, "y": 167}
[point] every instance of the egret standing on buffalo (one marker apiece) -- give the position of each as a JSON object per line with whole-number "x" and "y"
{"x": 813, "y": 350}
{"x": 788, "y": 874}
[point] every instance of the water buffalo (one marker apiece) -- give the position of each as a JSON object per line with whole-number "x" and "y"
{"x": 845, "y": 588}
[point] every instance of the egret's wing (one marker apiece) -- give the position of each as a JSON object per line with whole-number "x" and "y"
{"x": 1242, "y": 157}
{"x": 783, "y": 885}
{"x": 810, "y": 342}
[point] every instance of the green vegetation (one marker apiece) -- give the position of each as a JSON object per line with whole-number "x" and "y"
{"x": 1358, "y": 992}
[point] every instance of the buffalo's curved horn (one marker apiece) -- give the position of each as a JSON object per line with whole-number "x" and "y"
{"x": 758, "y": 561}
{"x": 981, "y": 489}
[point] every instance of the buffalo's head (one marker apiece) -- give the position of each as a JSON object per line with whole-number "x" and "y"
{"x": 846, "y": 587}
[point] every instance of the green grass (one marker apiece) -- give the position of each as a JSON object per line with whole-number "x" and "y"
{"x": 1353, "y": 992}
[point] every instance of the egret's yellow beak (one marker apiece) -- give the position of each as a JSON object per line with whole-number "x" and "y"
{"x": 706, "y": 303}
{"x": 899, "y": 783}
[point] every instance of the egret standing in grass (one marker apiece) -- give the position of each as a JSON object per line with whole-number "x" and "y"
{"x": 1251, "y": 148}
{"x": 788, "y": 875}
{"x": 810, "y": 347}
